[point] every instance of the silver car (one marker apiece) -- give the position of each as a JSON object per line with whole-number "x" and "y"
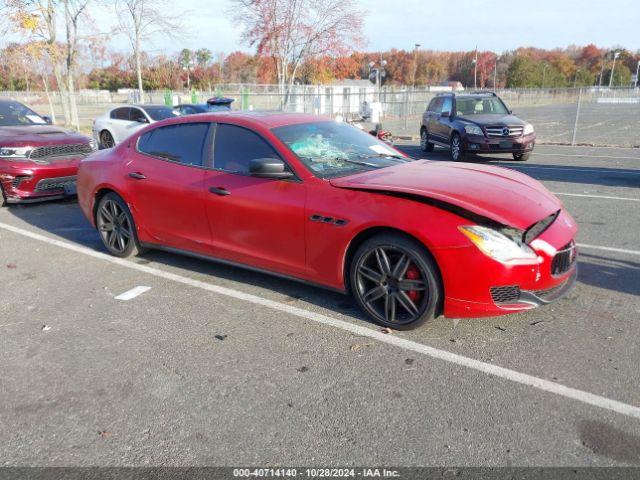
{"x": 113, "y": 126}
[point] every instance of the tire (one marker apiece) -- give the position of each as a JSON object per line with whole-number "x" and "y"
{"x": 3, "y": 197}
{"x": 382, "y": 272}
{"x": 106, "y": 140}
{"x": 455, "y": 148}
{"x": 521, "y": 157}
{"x": 425, "y": 145}
{"x": 120, "y": 240}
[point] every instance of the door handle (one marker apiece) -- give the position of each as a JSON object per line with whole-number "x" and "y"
{"x": 137, "y": 175}
{"x": 220, "y": 191}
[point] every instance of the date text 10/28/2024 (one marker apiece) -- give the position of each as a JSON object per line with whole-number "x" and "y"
{"x": 315, "y": 472}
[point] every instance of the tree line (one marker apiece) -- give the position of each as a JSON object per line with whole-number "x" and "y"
{"x": 293, "y": 42}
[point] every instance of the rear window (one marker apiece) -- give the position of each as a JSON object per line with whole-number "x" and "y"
{"x": 158, "y": 113}
{"x": 182, "y": 143}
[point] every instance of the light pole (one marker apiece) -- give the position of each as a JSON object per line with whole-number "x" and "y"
{"x": 613, "y": 68}
{"x": 495, "y": 72}
{"x": 475, "y": 69}
{"x": 378, "y": 73}
{"x": 637, "y": 71}
{"x": 544, "y": 72}
{"x": 575, "y": 79}
{"x": 415, "y": 63}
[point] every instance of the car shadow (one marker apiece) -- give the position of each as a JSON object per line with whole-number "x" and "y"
{"x": 609, "y": 177}
{"x": 65, "y": 219}
{"x": 610, "y": 273}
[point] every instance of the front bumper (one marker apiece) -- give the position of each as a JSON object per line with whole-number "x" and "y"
{"x": 25, "y": 182}
{"x": 477, "y": 286}
{"x": 481, "y": 144}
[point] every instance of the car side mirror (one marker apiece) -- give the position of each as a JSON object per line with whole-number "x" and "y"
{"x": 47, "y": 119}
{"x": 445, "y": 114}
{"x": 269, "y": 168}
{"x": 142, "y": 120}
{"x": 510, "y": 112}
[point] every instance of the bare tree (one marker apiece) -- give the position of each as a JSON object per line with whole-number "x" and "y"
{"x": 290, "y": 31}
{"x": 73, "y": 11}
{"x": 140, "y": 20}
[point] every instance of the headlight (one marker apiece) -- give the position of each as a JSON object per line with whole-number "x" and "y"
{"x": 473, "y": 130}
{"x": 93, "y": 144}
{"x": 15, "y": 152}
{"x": 497, "y": 245}
{"x": 528, "y": 129}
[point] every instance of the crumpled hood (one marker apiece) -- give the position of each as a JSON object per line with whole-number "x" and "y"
{"x": 38, "y": 135}
{"x": 500, "y": 194}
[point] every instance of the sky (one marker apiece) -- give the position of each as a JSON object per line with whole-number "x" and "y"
{"x": 496, "y": 25}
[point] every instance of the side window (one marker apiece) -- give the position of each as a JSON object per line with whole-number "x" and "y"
{"x": 432, "y": 103}
{"x": 183, "y": 143}
{"x": 436, "y": 105}
{"x": 137, "y": 115}
{"x": 235, "y": 147}
{"x": 121, "y": 113}
{"x": 446, "y": 105}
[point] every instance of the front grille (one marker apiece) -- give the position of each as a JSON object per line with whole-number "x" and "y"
{"x": 57, "y": 183}
{"x": 564, "y": 259}
{"x": 504, "y": 131}
{"x": 68, "y": 150}
{"x": 509, "y": 294}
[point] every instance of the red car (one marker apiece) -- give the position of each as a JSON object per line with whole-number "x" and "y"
{"x": 37, "y": 160}
{"x": 320, "y": 201}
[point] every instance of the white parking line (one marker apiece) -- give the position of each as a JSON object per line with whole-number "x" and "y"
{"x": 490, "y": 369}
{"x": 604, "y": 197}
{"x": 587, "y": 155}
{"x": 608, "y": 249}
{"x": 577, "y": 169}
{"x": 133, "y": 293}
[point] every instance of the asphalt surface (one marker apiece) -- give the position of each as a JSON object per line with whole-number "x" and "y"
{"x": 182, "y": 375}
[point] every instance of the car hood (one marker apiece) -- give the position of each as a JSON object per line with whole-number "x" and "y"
{"x": 492, "y": 119}
{"x": 500, "y": 194}
{"x": 36, "y": 135}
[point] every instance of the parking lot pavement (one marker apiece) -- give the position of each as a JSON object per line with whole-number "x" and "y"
{"x": 189, "y": 373}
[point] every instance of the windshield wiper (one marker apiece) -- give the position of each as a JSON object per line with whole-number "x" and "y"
{"x": 383, "y": 155}
{"x": 358, "y": 162}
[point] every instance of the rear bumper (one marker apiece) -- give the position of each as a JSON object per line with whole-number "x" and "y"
{"x": 481, "y": 144}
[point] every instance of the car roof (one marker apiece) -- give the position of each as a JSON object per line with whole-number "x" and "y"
{"x": 263, "y": 118}
{"x": 143, "y": 106}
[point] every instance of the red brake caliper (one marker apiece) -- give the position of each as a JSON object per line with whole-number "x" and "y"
{"x": 413, "y": 274}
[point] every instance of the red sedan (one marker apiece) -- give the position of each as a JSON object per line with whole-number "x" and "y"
{"x": 320, "y": 201}
{"x": 37, "y": 161}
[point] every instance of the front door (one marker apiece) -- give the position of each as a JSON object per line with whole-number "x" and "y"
{"x": 254, "y": 221}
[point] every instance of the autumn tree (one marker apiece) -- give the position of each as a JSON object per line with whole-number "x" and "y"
{"x": 140, "y": 20}
{"x": 292, "y": 31}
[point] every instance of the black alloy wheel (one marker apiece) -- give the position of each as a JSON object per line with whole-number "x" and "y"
{"x": 456, "y": 150}
{"x": 395, "y": 282}
{"x": 425, "y": 145}
{"x": 106, "y": 139}
{"x": 116, "y": 227}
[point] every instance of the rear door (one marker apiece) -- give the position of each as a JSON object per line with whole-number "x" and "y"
{"x": 444, "y": 124}
{"x": 165, "y": 179}
{"x": 256, "y": 221}
{"x": 118, "y": 121}
{"x": 434, "y": 119}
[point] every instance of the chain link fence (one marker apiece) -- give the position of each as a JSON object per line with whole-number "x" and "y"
{"x": 593, "y": 116}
